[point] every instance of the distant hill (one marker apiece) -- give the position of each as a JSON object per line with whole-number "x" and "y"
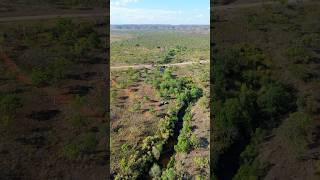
{"x": 160, "y": 27}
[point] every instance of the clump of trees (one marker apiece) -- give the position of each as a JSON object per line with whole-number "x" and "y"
{"x": 169, "y": 86}
{"x": 245, "y": 97}
{"x": 172, "y": 53}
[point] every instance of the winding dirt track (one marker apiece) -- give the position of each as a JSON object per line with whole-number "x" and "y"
{"x": 140, "y": 66}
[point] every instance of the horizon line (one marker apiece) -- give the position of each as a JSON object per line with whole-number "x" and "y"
{"x": 163, "y": 24}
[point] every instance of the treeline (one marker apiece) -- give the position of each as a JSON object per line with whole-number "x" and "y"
{"x": 136, "y": 164}
{"x": 246, "y": 103}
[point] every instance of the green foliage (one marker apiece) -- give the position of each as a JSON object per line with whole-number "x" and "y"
{"x": 84, "y": 144}
{"x": 311, "y": 40}
{"x": 274, "y": 99}
{"x": 53, "y": 73}
{"x": 298, "y": 54}
{"x": 301, "y": 71}
{"x": 39, "y": 76}
{"x": 195, "y": 141}
{"x": 156, "y": 151}
{"x": 295, "y": 131}
{"x": 169, "y": 86}
{"x": 78, "y": 102}
{"x": 94, "y": 40}
{"x": 72, "y": 151}
{"x": 155, "y": 46}
{"x": 183, "y": 145}
{"x": 199, "y": 177}
{"x": 245, "y": 99}
{"x": 81, "y": 47}
{"x": 168, "y": 174}
{"x": 201, "y": 162}
{"x": 9, "y": 104}
{"x": 135, "y": 107}
{"x": 155, "y": 171}
{"x": 254, "y": 171}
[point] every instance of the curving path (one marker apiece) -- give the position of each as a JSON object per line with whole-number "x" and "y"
{"x": 141, "y": 66}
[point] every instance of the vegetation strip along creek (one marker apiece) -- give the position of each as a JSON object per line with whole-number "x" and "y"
{"x": 182, "y": 91}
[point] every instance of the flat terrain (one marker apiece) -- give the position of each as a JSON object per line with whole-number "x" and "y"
{"x": 156, "y": 46}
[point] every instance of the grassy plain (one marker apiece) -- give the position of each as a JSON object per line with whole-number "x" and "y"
{"x": 147, "y": 47}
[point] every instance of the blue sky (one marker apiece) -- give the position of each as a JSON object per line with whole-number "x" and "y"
{"x": 160, "y": 12}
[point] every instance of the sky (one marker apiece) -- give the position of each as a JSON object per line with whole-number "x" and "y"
{"x": 173, "y": 12}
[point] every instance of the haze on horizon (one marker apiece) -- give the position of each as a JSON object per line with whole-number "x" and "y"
{"x": 155, "y": 12}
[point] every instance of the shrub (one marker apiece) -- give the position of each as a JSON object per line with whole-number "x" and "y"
{"x": 298, "y": 54}
{"x": 311, "y": 40}
{"x": 57, "y": 69}
{"x": 199, "y": 177}
{"x": 168, "y": 174}
{"x": 295, "y": 131}
{"x": 78, "y": 102}
{"x": 275, "y": 99}
{"x": 253, "y": 171}
{"x": 201, "y": 162}
{"x": 94, "y": 40}
{"x": 156, "y": 152}
{"x": 81, "y": 47}
{"x": 135, "y": 107}
{"x": 39, "y": 76}
{"x": 195, "y": 141}
{"x": 72, "y": 151}
{"x": 183, "y": 144}
{"x": 155, "y": 171}
{"x": 9, "y": 104}
{"x": 88, "y": 143}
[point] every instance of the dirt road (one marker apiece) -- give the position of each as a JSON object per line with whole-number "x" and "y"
{"x": 53, "y": 16}
{"x": 244, "y": 5}
{"x": 140, "y": 66}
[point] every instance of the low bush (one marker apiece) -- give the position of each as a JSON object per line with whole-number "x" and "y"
{"x": 168, "y": 174}
{"x": 195, "y": 141}
{"x": 39, "y": 76}
{"x": 253, "y": 171}
{"x": 201, "y": 162}
{"x": 72, "y": 151}
{"x": 155, "y": 171}
{"x": 183, "y": 145}
{"x": 298, "y": 55}
{"x": 53, "y": 73}
{"x": 296, "y": 131}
